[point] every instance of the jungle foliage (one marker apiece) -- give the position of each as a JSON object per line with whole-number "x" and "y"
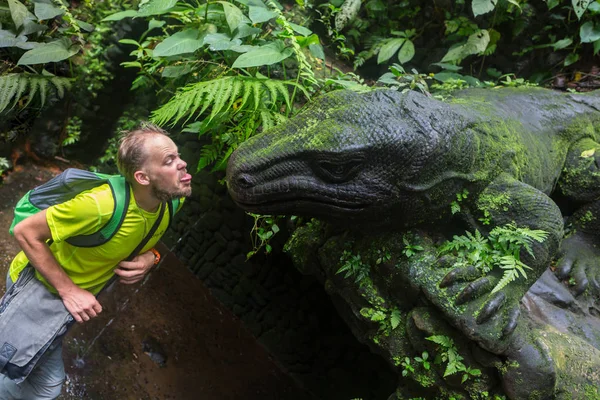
{"x": 225, "y": 70}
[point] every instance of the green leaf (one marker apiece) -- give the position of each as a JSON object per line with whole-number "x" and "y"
{"x": 49, "y": 52}
{"x": 233, "y": 15}
{"x": 395, "y": 318}
{"x": 246, "y": 30}
{"x": 407, "y": 52}
{"x": 155, "y": 23}
{"x": 156, "y": 7}
{"x": 596, "y": 47}
{"x": 389, "y": 49}
{"x": 8, "y": 39}
{"x": 317, "y": 51}
{"x": 45, "y": 11}
{"x": 552, "y": 3}
{"x": 130, "y": 41}
{"x": 120, "y": 15}
{"x": 260, "y": 14}
{"x": 571, "y": 58}
{"x": 182, "y": 42}
{"x": 476, "y": 43}
{"x": 31, "y": 26}
{"x": 300, "y": 29}
{"x": 561, "y": 44}
{"x": 515, "y": 3}
{"x": 580, "y": 6}
{"x": 18, "y": 12}
{"x": 175, "y": 71}
{"x": 264, "y": 55}
{"x": 85, "y": 26}
{"x": 483, "y": 6}
{"x": 589, "y": 32}
{"x": 594, "y": 8}
{"x": 448, "y": 67}
{"x": 131, "y": 64}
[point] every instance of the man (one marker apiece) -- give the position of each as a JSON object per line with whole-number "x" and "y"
{"x": 150, "y": 162}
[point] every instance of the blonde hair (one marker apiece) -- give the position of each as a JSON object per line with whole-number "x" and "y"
{"x": 132, "y": 151}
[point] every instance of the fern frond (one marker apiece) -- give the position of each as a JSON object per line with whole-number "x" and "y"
{"x": 8, "y": 84}
{"x": 247, "y": 90}
{"x": 509, "y": 276}
{"x": 14, "y": 86}
{"x": 22, "y": 85}
{"x": 219, "y": 95}
{"x": 222, "y": 96}
{"x": 61, "y": 85}
{"x": 256, "y": 91}
{"x": 235, "y": 92}
{"x": 266, "y": 119}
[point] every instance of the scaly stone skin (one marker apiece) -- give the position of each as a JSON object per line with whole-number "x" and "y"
{"x": 399, "y": 160}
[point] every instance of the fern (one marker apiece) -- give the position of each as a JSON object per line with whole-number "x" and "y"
{"x": 220, "y": 95}
{"x": 512, "y": 268}
{"x": 502, "y": 248}
{"x": 14, "y": 87}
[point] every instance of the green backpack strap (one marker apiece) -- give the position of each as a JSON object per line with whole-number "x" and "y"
{"x": 173, "y": 206}
{"x": 121, "y": 197}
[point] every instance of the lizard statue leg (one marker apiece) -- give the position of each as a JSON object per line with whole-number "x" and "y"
{"x": 579, "y": 262}
{"x": 486, "y": 315}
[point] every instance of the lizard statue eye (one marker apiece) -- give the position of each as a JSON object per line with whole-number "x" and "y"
{"x": 338, "y": 171}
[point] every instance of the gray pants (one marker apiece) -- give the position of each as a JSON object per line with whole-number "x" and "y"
{"x": 44, "y": 382}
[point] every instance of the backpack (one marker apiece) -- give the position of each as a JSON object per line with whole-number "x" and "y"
{"x": 69, "y": 184}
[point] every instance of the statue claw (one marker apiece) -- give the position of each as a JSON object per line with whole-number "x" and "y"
{"x": 491, "y": 307}
{"x": 512, "y": 318}
{"x": 459, "y": 275}
{"x": 579, "y": 263}
{"x": 474, "y": 290}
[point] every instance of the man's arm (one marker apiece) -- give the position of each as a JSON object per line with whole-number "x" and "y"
{"x": 32, "y": 234}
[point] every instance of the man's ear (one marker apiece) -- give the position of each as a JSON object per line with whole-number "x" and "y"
{"x": 141, "y": 177}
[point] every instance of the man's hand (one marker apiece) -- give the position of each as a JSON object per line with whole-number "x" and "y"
{"x": 80, "y": 303}
{"x": 133, "y": 271}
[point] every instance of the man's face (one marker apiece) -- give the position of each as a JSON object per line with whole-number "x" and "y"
{"x": 166, "y": 171}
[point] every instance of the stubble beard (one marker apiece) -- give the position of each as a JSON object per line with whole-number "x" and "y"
{"x": 168, "y": 195}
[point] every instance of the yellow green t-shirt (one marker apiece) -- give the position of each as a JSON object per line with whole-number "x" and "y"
{"x": 91, "y": 267}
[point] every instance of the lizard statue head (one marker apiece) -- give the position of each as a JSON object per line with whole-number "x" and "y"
{"x": 352, "y": 156}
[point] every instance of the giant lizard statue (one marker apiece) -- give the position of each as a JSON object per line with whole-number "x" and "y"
{"x": 382, "y": 163}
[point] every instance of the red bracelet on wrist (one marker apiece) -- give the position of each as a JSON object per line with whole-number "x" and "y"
{"x": 156, "y": 255}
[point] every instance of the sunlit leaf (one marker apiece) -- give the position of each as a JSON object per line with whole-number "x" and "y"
{"x": 233, "y": 15}
{"x": 264, "y": 55}
{"x": 589, "y": 32}
{"x": 156, "y": 7}
{"x": 181, "y": 42}
{"x": 260, "y": 14}
{"x": 561, "y": 44}
{"x": 300, "y": 29}
{"x": 389, "y": 49}
{"x": 44, "y": 11}
{"x": 120, "y": 15}
{"x": 580, "y": 6}
{"x": 571, "y": 58}
{"x": 18, "y": 12}
{"x": 49, "y": 52}
{"x": 482, "y": 6}
{"x": 85, "y": 26}
{"x": 407, "y": 52}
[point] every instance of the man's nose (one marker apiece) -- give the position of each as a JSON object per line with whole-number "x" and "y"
{"x": 182, "y": 164}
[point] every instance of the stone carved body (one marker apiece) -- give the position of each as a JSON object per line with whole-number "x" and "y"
{"x": 398, "y": 161}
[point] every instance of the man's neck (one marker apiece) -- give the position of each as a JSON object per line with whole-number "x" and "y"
{"x": 145, "y": 200}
